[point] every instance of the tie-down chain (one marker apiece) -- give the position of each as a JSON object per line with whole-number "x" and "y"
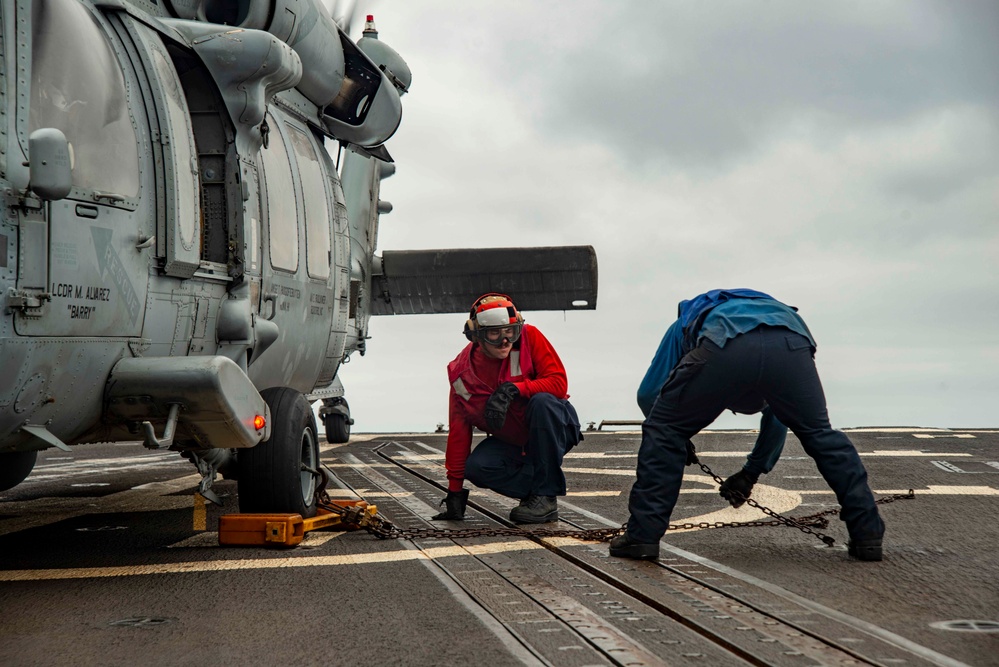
{"x": 381, "y": 528}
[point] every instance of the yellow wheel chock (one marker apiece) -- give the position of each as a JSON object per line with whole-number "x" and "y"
{"x": 288, "y": 530}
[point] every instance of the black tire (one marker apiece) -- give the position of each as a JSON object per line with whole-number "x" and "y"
{"x": 337, "y": 428}
{"x": 274, "y": 476}
{"x": 15, "y": 468}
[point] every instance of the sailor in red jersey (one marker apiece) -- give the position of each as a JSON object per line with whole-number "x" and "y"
{"x": 510, "y": 383}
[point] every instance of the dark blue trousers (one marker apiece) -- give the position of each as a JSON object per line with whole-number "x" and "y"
{"x": 776, "y": 364}
{"x": 535, "y": 469}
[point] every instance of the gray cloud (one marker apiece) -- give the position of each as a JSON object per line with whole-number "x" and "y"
{"x": 703, "y": 83}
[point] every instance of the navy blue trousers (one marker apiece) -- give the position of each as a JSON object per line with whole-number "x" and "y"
{"x": 535, "y": 469}
{"x": 776, "y": 364}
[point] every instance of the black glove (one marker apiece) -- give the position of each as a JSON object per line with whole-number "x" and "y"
{"x": 691, "y": 454}
{"x": 737, "y": 488}
{"x": 498, "y": 404}
{"x": 455, "y": 506}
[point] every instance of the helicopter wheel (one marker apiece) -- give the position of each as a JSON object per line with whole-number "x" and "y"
{"x": 280, "y": 475}
{"x": 15, "y": 468}
{"x": 337, "y": 424}
{"x": 337, "y": 429}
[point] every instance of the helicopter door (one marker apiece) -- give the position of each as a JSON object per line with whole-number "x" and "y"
{"x": 86, "y": 254}
{"x": 297, "y": 283}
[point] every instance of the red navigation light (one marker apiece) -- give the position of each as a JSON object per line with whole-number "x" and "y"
{"x": 259, "y": 422}
{"x": 371, "y": 17}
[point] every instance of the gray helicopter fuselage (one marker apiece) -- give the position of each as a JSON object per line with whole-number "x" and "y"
{"x": 205, "y": 219}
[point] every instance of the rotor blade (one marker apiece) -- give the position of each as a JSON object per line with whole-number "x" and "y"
{"x": 345, "y": 17}
{"x": 447, "y": 281}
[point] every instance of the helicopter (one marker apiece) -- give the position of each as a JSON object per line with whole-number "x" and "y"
{"x": 191, "y": 204}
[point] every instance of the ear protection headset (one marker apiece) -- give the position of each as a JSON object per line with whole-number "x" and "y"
{"x": 491, "y": 310}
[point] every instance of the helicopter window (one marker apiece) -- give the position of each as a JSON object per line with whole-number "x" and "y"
{"x": 317, "y": 211}
{"x": 282, "y": 212}
{"x": 77, "y": 86}
{"x": 185, "y": 181}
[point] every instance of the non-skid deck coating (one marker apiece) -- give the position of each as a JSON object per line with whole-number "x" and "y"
{"x": 108, "y": 558}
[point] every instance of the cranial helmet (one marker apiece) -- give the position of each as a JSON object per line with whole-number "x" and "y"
{"x": 493, "y": 319}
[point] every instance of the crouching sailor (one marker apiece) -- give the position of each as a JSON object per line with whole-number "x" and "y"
{"x": 510, "y": 383}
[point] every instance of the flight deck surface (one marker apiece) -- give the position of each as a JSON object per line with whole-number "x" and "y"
{"x": 107, "y": 557}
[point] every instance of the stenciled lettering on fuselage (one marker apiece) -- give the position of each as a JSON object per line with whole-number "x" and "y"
{"x": 90, "y": 293}
{"x": 110, "y": 265}
{"x": 92, "y": 296}
{"x": 318, "y": 305}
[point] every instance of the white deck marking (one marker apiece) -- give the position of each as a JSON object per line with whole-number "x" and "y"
{"x": 77, "y": 468}
{"x": 593, "y": 494}
{"x": 945, "y": 435}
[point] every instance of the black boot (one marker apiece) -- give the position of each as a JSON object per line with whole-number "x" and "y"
{"x": 623, "y": 546}
{"x": 454, "y": 505}
{"x": 865, "y": 549}
{"x": 535, "y": 509}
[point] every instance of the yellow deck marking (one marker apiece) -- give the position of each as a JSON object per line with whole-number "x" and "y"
{"x": 345, "y": 465}
{"x": 365, "y": 494}
{"x": 933, "y": 490}
{"x": 601, "y": 471}
{"x": 210, "y": 540}
{"x": 200, "y": 518}
{"x": 779, "y": 500}
{"x": 268, "y": 563}
{"x": 908, "y": 452}
{"x": 707, "y": 455}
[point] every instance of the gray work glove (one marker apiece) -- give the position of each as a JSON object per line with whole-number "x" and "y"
{"x": 454, "y": 504}
{"x": 737, "y": 488}
{"x": 498, "y": 404}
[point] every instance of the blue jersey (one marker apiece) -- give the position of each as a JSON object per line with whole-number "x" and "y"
{"x": 719, "y": 316}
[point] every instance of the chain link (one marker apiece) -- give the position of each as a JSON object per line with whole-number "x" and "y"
{"x": 384, "y": 529}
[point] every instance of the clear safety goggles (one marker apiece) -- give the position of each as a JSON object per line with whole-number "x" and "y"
{"x": 499, "y": 336}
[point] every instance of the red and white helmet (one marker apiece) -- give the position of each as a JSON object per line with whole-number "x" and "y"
{"x": 493, "y": 319}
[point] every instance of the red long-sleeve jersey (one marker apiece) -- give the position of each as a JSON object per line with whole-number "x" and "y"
{"x": 534, "y": 367}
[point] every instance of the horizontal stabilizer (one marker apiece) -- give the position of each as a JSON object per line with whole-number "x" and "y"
{"x": 448, "y": 281}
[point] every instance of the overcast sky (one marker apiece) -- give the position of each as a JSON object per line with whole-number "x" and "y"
{"x": 841, "y": 156}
